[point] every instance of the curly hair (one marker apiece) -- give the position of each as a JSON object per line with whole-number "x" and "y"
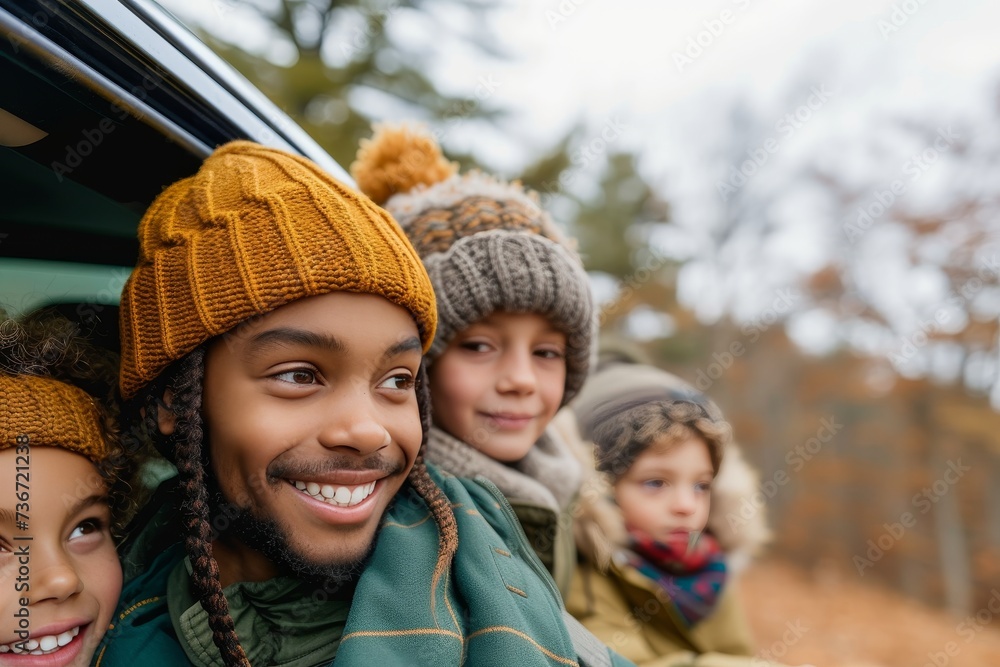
{"x": 46, "y": 344}
{"x": 187, "y": 448}
{"x": 624, "y": 434}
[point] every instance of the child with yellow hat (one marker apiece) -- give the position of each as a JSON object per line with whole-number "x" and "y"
{"x": 63, "y": 486}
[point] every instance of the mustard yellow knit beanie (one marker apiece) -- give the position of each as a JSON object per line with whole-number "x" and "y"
{"x": 254, "y": 229}
{"x": 40, "y": 411}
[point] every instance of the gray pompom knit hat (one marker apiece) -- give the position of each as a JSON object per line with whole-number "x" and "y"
{"x": 487, "y": 244}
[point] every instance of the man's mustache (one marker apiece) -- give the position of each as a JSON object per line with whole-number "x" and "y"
{"x": 299, "y": 469}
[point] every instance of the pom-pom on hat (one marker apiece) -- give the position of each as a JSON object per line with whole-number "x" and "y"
{"x": 41, "y": 411}
{"x": 254, "y": 229}
{"x": 487, "y": 244}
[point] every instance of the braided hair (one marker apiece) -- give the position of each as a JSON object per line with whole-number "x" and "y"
{"x": 186, "y": 448}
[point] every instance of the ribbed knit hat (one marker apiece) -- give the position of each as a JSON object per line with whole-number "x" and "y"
{"x": 610, "y": 407}
{"x": 254, "y": 229}
{"x": 487, "y": 244}
{"x": 41, "y": 411}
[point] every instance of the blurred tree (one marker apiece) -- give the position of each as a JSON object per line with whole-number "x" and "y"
{"x": 356, "y": 61}
{"x": 607, "y": 222}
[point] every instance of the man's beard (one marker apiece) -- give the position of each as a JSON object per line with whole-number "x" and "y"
{"x": 270, "y": 538}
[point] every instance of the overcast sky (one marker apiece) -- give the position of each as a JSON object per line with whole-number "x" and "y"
{"x": 831, "y": 83}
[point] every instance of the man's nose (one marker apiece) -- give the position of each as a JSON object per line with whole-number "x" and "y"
{"x": 354, "y": 424}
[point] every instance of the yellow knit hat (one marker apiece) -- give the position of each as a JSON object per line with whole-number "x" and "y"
{"x": 254, "y": 229}
{"x": 50, "y": 413}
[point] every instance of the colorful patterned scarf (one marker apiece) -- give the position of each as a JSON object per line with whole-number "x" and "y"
{"x": 692, "y": 577}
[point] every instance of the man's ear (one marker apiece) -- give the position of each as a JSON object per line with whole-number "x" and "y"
{"x": 165, "y": 417}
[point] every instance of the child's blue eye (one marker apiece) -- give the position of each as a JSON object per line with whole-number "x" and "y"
{"x": 297, "y": 376}
{"x": 654, "y": 483}
{"x": 704, "y": 487}
{"x": 402, "y": 382}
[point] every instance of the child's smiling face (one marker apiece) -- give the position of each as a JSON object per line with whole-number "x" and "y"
{"x": 72, "y": 573}
{"x": 499, "y": 383}
{"x": 666, "y": 491}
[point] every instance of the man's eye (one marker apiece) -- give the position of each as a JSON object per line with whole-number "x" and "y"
{"x": 297, "y": 376}
{"x": 87, "y": 527}
{"x": 402, "y": 381}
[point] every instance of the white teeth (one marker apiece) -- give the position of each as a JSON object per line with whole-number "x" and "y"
{"x": 341, "y": 496}
{"x": 358, "y": 494}
{"x": 40, "y": 645}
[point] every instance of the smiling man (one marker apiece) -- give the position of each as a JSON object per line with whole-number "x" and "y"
{"x": 272, "y": 335}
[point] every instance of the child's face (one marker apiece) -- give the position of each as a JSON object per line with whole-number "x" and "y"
{"x": 500, "y": 382}
{"x": 70, "y": 577}
{"x": 313, "y": 425}
{"x": 666, "y": 491}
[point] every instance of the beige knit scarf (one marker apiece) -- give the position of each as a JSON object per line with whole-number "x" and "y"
{"x": 549, "y": 475}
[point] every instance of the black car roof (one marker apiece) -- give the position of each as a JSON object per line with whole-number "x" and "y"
{"x": 125, "y": 101}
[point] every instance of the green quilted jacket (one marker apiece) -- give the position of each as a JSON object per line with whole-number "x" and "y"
{"x": 495, "y": 604}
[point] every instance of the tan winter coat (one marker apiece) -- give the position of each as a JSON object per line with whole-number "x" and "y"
{"x": 628, "y": 611}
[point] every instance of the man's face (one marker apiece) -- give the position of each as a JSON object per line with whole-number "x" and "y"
{"x": 59, "y": 572}
{"x": 312, "y": 426}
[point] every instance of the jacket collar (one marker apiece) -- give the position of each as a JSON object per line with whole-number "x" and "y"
{"x": 292, "y": 624}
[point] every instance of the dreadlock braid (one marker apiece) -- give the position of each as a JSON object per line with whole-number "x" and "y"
{"x": 187, "y": 389}
{"x": 425, "y": 487}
